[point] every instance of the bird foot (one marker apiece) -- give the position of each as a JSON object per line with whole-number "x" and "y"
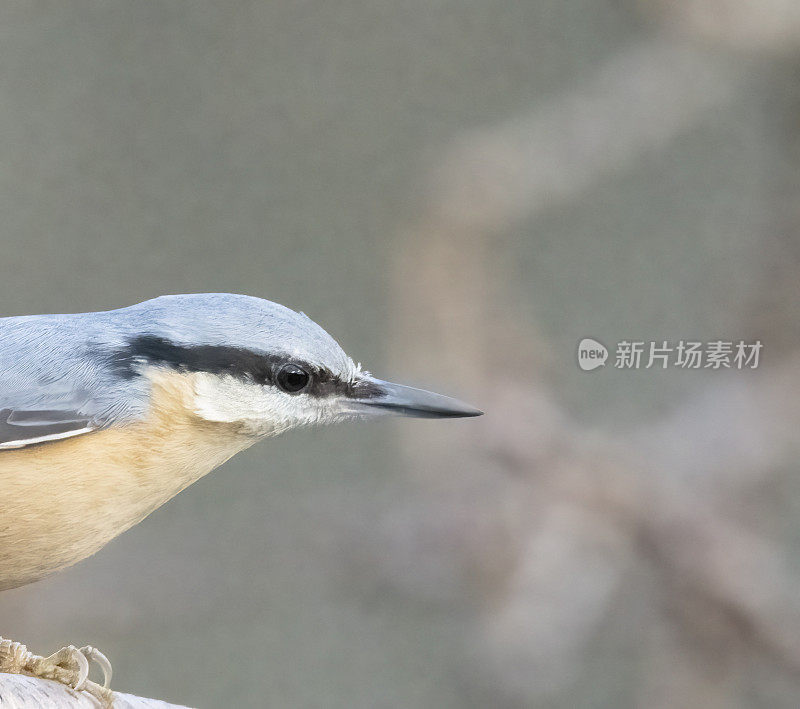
{"x": 69, "y": 665}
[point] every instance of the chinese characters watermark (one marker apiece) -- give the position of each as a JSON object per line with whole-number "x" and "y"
{"x": 684, "y": 354}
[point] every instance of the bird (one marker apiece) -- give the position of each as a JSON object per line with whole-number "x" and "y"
{"x": 105, "y": 416}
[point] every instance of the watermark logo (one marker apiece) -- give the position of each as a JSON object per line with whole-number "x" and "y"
{"x": 591, "y": 354}
{"x": 684, "y": 354}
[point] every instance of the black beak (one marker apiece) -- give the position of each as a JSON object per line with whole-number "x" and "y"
{"x": 388, "y": 398}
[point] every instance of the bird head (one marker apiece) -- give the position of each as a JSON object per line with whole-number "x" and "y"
{"x": 265, "y": 367}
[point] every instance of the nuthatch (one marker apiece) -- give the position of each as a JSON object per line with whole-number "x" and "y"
{"x": 105, "y": 416}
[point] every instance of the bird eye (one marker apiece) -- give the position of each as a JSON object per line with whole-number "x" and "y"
{"x": 292, "y": 379}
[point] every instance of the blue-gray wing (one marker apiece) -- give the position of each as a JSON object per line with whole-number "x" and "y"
{"x": 57, "y": 379}
{"x": 24, "y": 427}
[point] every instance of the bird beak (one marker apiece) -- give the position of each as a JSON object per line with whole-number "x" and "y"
{"x": 388, "y": 398}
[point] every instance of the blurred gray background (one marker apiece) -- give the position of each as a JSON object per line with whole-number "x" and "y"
{"x": 458, "y": 192}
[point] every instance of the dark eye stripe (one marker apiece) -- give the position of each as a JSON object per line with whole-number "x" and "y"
{"x": 215, "y": 359}
{"x": 221, "y": 359}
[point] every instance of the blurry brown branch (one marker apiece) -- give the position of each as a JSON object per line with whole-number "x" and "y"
{"x": 556, "y": 522}
{"x": 755, "y": 25}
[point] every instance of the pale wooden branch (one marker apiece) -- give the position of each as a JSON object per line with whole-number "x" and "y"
{"x": 24, "y": 692}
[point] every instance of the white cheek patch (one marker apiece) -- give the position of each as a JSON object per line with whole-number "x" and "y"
{"x": 265, "y": 408}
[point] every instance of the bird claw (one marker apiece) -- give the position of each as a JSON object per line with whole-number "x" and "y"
{"x": 92, "y": 653}
{"x": 74, "y": 660}
{"x": 69, "y": 665}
